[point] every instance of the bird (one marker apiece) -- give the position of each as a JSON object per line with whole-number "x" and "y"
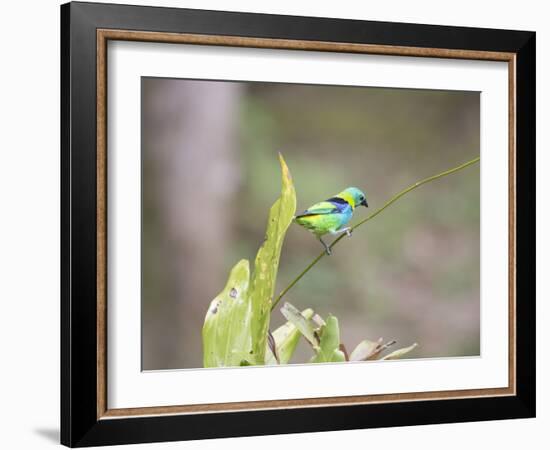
{"x": 332, "y": 215}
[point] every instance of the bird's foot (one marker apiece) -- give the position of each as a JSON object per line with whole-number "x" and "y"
{"x": 348, "y": 232}
{"x": 327, "y": 248}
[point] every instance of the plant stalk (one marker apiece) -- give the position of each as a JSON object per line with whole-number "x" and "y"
{"x": 372, "y": 216}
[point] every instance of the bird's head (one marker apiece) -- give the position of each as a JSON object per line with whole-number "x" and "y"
{"x": 354, "y": 197}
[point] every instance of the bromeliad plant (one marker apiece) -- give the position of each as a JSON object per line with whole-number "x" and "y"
{"x": 236, "y": 327}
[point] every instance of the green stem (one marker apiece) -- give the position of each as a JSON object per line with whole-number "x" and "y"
{"x": 372, "y": 216}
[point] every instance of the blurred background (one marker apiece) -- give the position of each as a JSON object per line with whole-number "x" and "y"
{"x": 210, "y": 174}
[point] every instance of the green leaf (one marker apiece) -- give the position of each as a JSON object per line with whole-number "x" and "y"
{"x": 286, "y": 339}
{"x": 329, "y": 350}
{"x": 226, "y": 333}
{"x": 236, "y": 326}
{"x": 338, "y": 356}
{"x": 302, "y": 323}
{"x": 400, "y": 352}
{"x": 267, "y": 260}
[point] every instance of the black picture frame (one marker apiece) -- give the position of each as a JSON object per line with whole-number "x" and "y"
{"x": 80, "y": 425}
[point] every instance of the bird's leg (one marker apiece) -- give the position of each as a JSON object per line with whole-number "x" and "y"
{"x": 346, "y": 230}
{"x": 327, "y": 248}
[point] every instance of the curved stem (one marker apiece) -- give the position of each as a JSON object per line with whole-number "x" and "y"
{"x": 372, "y": 216}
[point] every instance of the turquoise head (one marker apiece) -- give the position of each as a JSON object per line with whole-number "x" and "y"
{"x": 355, "y": 197}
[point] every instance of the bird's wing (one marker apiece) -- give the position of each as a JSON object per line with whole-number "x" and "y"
{"x": 320, "y": 208}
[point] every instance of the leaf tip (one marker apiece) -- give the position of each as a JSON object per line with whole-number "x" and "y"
{"x": 284, "y": 167}
{"x": 242, "y": 266}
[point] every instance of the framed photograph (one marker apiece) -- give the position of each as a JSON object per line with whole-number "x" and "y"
{"x": 277, "y": 224}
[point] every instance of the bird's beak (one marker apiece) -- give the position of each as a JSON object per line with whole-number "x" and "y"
{"x": 364, "y": 203}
